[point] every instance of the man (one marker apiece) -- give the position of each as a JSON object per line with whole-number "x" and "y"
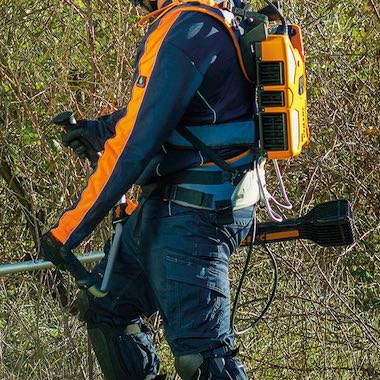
{"x": 176, "y": 245}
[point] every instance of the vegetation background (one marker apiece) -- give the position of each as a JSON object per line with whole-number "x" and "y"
{"x": 78, "y": 54}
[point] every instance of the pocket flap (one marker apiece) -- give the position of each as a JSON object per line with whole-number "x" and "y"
{"x": 211, "y": 275}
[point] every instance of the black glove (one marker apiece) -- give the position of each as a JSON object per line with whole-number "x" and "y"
{"x": 52, "y": 250}
{"x": 81, "y": 140}
{"x": 63, "y": 258}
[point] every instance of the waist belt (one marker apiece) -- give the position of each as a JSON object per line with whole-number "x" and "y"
{"x": 174, "y": 193}
{"x": 192, "y": 198}
{"x": 205, "y": 177}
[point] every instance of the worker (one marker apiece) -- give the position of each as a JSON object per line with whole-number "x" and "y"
{"x": 193, "y": 212}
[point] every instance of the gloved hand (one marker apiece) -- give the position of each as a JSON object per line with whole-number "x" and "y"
{"x": 52, "y": 250}
{"x": 63, "y": 258}
{"x": 78, "y": 138}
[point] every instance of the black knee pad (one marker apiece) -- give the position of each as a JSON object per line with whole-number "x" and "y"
{"x": 124, "y": 355}
{"x": 210, "y": 367}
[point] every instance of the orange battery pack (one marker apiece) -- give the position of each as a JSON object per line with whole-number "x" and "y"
{"x": 281, "y": 82}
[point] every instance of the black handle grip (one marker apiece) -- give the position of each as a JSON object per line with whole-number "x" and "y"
{"x": 67, "y": 120}
{"x": 76, "y": 269}
{"x": 81, "y": 275}
{"x": 91, "y": 154}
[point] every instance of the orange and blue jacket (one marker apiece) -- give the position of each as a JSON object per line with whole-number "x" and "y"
{"x": 187, "y": 73}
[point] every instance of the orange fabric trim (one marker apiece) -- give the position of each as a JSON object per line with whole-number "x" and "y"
{"x": 158, "y": 12}
{"x": 161, "y": 12}
{"x": 230, "y": 160}
{"x": 115, "y": 146}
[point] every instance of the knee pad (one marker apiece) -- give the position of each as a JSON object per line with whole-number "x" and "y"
{"x": 209, "y": 366}
{"x": 124, "y": 355}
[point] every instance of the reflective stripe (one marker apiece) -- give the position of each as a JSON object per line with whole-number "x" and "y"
{"x": 115, "y": 146}
{"x": 218, "y": 135}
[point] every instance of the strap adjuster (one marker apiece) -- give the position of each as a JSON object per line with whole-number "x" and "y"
{"x": 191, "y": 197}
{"x": 217, "y": 352}
{"x": 227, "y": 5}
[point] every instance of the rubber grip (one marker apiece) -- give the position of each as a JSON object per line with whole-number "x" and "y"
{"x": 76, "y": 269}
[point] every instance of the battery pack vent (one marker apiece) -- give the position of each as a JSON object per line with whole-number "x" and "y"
{"x": 271, "y": 73}
{"x": 272, "y": 99}
{"x": 273, "y": 131}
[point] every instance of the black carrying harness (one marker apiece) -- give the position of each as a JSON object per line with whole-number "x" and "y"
{"x": 168, "y": 188}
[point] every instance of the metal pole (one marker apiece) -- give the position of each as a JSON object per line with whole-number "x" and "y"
{"x": 112, "y": 257}
{"x": 34, "y": 265}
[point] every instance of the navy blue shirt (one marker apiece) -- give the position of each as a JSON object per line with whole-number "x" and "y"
{"x": 187, "y": 72}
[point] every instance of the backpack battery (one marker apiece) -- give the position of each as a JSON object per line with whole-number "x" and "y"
{"x": 281, "y": 83}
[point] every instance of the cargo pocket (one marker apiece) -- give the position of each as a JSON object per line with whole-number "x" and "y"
{"x": 198, "y": 296}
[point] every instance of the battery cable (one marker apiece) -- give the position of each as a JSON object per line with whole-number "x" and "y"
{"x": 244, "y": 274}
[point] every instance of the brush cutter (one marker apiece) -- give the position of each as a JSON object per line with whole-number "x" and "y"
{"x": 327, "y": 224}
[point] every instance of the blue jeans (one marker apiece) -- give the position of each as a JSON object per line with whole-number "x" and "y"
{"x": 175, "y": 259}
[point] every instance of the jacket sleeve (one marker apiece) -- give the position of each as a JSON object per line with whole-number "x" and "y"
{"x": 166, "y": 81}
{"x": 102, "y": 129}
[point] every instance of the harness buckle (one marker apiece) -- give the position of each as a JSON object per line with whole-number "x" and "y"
{"x": 227, "y": 5}
{"x": 217, "y": 352}
{"x": 170, "y": 193}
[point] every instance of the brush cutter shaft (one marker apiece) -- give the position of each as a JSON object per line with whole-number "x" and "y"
{"x": 112, "y": 256}
{"x": 328, "y": 224}
{"x": 39, "y": 264}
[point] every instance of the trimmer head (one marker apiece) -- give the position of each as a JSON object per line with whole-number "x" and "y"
{"x": 328, "y": 224}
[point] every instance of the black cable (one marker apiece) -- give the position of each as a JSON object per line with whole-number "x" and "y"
{"x": 245, "y": 270}
{"x": 274, "y": 288}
